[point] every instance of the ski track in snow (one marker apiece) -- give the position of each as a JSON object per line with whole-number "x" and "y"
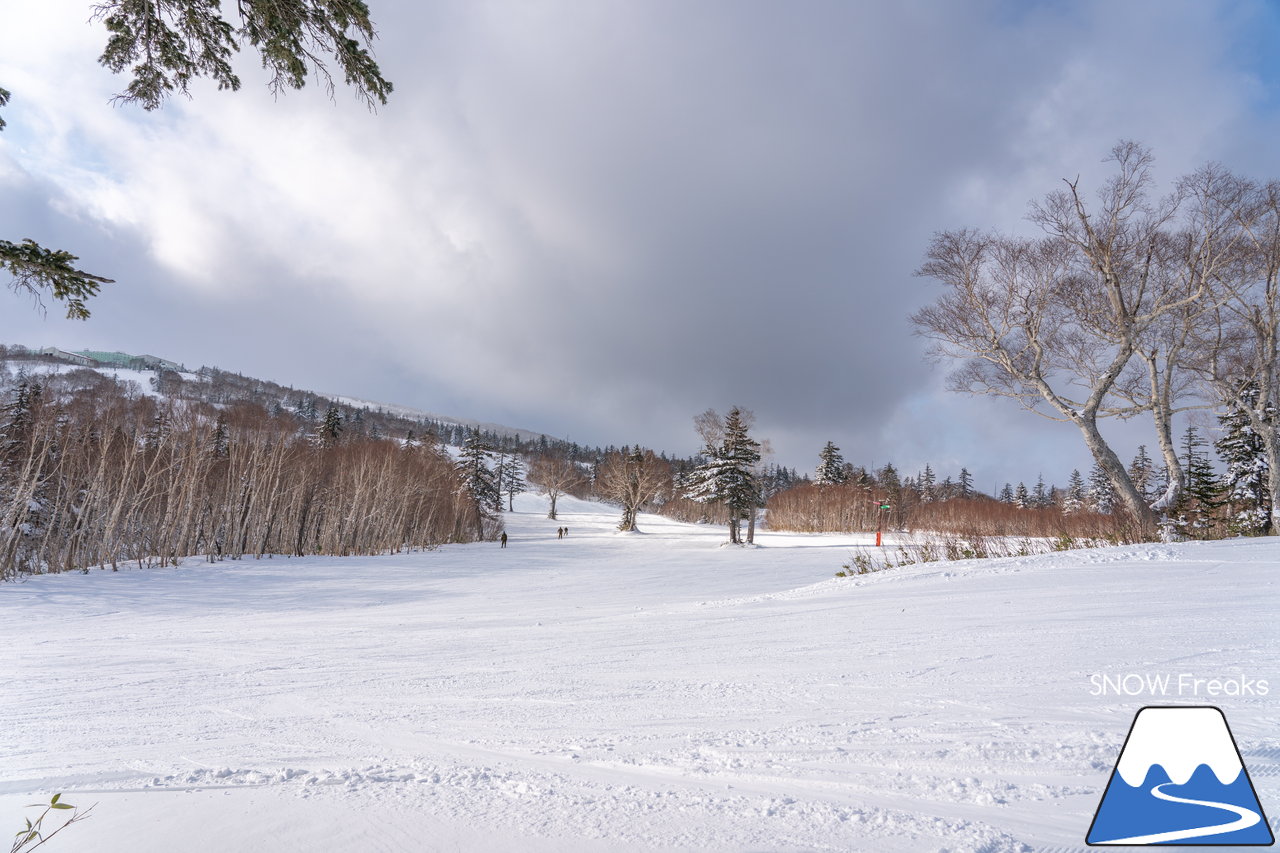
{"x": 613, "y": 692}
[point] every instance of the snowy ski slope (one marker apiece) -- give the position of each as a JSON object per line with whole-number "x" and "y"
{"x": 613, "y": 692}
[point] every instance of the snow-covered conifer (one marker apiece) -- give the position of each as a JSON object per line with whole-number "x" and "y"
{"x": 888, "y": 479}
{"x": 478, "y": 479}
{"x": 926, "y": 484}
{"x": 15, "y": 421}
{"x": 1101, "y": 495}
{"x": 1074, "y": 498}
{"x": 728, "y": 474}
{"x": 330, "y": 430}
{"x": 1245, "y": 455}
{"x": 947, "y": 488}
{"x": 1040, "y": 494}
{"x": 831, "y": 469}
{"x": 1203, "y": 492}
{"x": 219, "y": 444}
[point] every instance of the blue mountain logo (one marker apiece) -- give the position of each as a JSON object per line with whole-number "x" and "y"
{"x": 1180, "y": 780}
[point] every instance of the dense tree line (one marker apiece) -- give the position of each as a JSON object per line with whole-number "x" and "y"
{"x": 845, "y": 497}
{"x": 92, "y": 474}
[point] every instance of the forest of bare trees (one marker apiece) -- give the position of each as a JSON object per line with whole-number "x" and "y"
{"x": 814, "y": 508}
{"x": 93, "y": 474}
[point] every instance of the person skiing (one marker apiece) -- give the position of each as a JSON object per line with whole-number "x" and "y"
{"x": 504, "y": 539}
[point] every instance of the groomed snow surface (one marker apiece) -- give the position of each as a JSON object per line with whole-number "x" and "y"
{"x": 615, "y": 692}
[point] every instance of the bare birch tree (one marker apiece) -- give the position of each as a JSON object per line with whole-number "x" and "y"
{"x": 1245, "y": 345}
{"x": 1055, "y": 322}
{"x": 554, "y": 474}
{"x": 632, "y": 478}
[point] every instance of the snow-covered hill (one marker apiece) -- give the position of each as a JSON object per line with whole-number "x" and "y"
{"x": 610, "y": 692}
{"x": 144, "y": 381}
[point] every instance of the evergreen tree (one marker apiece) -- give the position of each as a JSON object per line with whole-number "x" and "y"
{"x": 27, "y": 519}
{"x": 219, "y": 444}
{"x": 964, "y": 484}
{"x": 927, "y": 484}
{"x": 1101, "y": 495}
{"x": 1073, "y": 500}
{"x": 1203, "y": 494}
{"x": 831, "y": 470}
{"x": 478, "y": 479}
{"x": 775, "y": 479}
{"x": 164, "y": 46}
{"x": 728, "y": 474}
{"x": 946, "y": 489}
{"x": 1245, "y": 455}
{"x": 1040, "y": 495}
{"x": 18, "y": 418}
{"x": 499, "y": 470}
{"x": 1021, "y": 498}
{"x": 1142, "y": 472}
{"x": 306, "y": 409}
{"x": 330, "y": 430}
{"x": 858, "y": 476}
{"x": 894, "y": 492}
{"x": 511, "y": 475}
{"x": 1006, "y": 494}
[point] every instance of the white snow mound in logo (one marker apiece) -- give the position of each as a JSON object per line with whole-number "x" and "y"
{"x": 1179, "y": 740}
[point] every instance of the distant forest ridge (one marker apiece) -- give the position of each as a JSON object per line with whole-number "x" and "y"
{"x": 219, "y": 387}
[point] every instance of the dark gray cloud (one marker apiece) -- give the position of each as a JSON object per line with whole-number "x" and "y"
{"x": 597, "y": 219}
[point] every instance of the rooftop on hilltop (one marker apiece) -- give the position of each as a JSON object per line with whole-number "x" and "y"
{"x": 99, "y": 358}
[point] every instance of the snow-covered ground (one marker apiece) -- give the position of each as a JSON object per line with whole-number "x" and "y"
{"x": 613, "y": 692}
{"x": 143, "y": 379}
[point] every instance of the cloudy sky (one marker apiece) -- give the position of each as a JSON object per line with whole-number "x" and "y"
{"x": 596, "y": 219}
